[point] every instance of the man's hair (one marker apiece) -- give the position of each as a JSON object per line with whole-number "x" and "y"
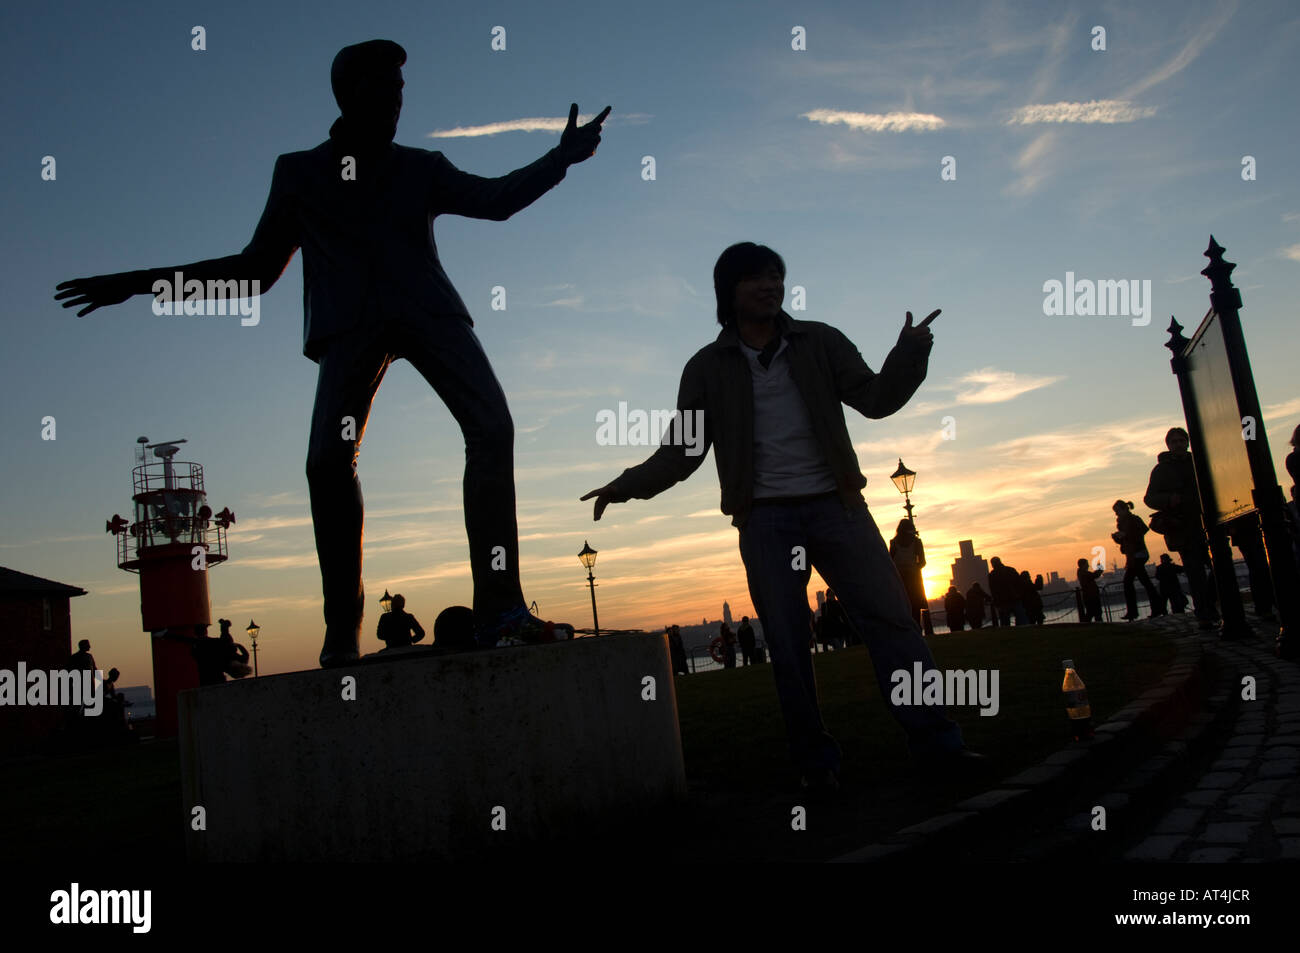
{"x": 83, "y": 644}
{"x": 355, "y": 61}
{"x": 1176, "y": 430}
{"x": 738, "y": 262}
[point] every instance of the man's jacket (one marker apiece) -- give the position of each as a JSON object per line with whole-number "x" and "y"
{"x": 367, "y": 244}
{"x": 828, "y": 372}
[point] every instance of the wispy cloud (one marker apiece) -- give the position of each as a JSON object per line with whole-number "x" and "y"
{"x": 531, "y": 124}
{"x": 1098, "y": 110}
{"x": 986, "y": 385}
{"x": 1032, "y": 164}
{"x": 1292, "y": 252}
{"x": 1190, "y": 51}
{"x": 877, "y": 122}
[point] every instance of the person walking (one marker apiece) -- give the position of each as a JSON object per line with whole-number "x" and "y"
{"x": 1130, "y": 533}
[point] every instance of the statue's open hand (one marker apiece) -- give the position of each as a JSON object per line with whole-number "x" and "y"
{"x": 97, "y": 292}
{"x": 577, "y": 144}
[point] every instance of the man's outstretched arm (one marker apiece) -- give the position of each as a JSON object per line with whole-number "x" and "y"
{"x": 263, "y": 261}
{"x": 676, "y": 458}
{"x": 460, "y": 193}
{"x": 879, "y": 395}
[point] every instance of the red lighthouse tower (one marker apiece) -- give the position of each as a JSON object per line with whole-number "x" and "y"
{"x": 171, "y": 542}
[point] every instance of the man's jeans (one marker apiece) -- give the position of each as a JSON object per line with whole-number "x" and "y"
{"x": 448, "y": 355}
{"x": 847, "y": 549}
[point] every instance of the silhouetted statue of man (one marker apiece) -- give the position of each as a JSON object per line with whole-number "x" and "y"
{"x": 362, "y": 209}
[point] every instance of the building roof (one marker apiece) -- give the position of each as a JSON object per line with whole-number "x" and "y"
{"x": 15, "y": 583}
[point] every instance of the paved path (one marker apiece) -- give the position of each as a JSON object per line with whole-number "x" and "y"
{"x": 1245, "y": 804}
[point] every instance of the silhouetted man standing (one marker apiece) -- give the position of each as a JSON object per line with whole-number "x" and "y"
{"x": 768, "y": 393}
{"x": 362, "y": 209}
{"x": 747, "y": 642}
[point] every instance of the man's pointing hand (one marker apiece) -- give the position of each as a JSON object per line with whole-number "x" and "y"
{"x": 919, "y": 334}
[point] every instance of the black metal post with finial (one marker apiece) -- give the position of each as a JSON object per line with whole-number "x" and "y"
{"x": 1266, "y": 495}
{"x": 1266, "y": 492}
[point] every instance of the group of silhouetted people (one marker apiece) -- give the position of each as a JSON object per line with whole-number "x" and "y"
{"x": 1013, "y": 596}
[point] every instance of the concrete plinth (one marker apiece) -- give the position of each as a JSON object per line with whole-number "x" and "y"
{"x": 434, "y": 756}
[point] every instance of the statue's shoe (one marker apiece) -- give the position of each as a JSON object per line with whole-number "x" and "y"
{"x": 342, "y": 647}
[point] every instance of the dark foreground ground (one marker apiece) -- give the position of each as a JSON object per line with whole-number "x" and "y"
{"x": 742, "y": 789}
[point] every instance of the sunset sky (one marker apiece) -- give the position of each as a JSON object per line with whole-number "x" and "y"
{"x": 1111, "y": 164}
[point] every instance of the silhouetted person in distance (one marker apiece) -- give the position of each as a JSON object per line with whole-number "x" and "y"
{"x": 1171, "y": 491}
{"x": 1167, "y": 579}
{"x": 1004, "y": 588}
{"x": 234, "y": 657}
{"x": 81, "y": 660}
{"x": 745, "y": 635}
{"x": 397, "y": 627}
{"x": 954, "y": 607}
{"x": 908, "y": 554}
{"x": 1292, "y": 505}
{"x": 833, "y": 634}
{"x": 374, "y": 291}
{"x": 1030, "y": 598}
{"x": 976, "y": 598}
{"x": 1088, "y": 589}
{"x": 1130, "y": 533}
{"x": 677, "y": 651}
{"x": 770, "y": 392}
{"x": 728, "y": 646}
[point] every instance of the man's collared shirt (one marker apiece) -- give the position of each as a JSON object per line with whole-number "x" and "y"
{"x": 787, "y": 459}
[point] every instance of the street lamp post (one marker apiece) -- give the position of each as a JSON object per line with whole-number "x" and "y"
{"x": 252, "y": 631}
{"x": 904, "y": 479}
{"x": 588, "y": 558}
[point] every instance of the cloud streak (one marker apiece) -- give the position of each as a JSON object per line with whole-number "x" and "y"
{"x": 1095, "y": 111}
{"x": 528, "y": 124}
{"x": 877, "y": 122}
